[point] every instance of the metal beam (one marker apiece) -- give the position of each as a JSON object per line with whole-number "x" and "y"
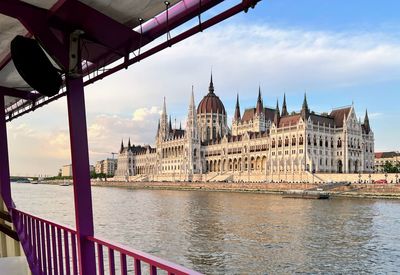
{"x": 81, "y": 175}
{"x": 5, "y": 187}
{"x": 18, "y": 93}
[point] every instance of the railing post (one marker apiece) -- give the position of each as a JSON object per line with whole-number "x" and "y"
{"x": 5, "y": 188}
{"x": 81, "y": 174}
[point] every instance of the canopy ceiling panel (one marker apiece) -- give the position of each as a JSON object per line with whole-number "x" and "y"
{"x": 9, "y": 28}
{"x": 128, "y": 12}
{"x": 10, "y": 78}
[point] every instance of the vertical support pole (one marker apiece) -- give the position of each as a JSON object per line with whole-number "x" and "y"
{"x": 5, "y": 188}
{"x": 81, "y": 174}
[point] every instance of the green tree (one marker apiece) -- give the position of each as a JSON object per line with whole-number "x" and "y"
{"x": 389, "y": 168}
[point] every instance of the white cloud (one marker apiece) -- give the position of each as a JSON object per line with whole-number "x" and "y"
{"x": 128, "y": 103}
{"x": 242, "y": 57}
{"x": 106, "y": 131}
{"x": 142, "y": 114}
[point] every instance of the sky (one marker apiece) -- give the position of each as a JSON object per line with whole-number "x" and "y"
{"x": 339, "y": 52}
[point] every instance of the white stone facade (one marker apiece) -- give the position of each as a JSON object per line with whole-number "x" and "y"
{"x": 264, "y": 142}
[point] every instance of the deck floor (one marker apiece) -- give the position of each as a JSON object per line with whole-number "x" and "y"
{"x": 14, "y": 266}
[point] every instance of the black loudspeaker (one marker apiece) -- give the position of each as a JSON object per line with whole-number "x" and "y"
{"x": 34, "y": 67}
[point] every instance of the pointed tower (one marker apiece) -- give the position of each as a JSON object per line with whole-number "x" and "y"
{"x": 122, "y": 146}
{"x": 284, "y": 108}
{"x": 211, "y": 86}
{"x": 366, "y": 123}
{"x": 305, "y": 111}
{"x": 277, "y": 116}
{"x": 259, "y": 106}
{"x": 193, "y": 141}
{"x": 236, "y": 118}
{"x": 129, "y": 143}
{"x": 191, "y": 123}
{"x": 163, "y": 122}
{"x": 170, "y": 125}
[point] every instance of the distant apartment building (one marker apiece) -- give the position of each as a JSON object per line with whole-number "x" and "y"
{"x": 106, "y": 166}
{"x": 381, "y": 158}
{"x": 66, "y": 171}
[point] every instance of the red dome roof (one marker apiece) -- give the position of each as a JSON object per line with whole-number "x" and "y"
{"x": 211, "y": 103}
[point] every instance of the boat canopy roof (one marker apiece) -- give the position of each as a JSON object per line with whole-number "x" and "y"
{"x": 111, "y": 30}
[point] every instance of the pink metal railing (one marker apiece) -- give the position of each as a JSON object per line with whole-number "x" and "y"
{"x": 52, "y": 249}
{"x": 140, "y": 261}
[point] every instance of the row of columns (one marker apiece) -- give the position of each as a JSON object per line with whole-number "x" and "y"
{"x": 237, "y": 164}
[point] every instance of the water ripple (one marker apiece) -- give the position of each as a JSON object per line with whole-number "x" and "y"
{"x": 235, "y": 233}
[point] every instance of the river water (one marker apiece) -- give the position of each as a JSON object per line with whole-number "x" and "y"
{"x": 236, "y": 233}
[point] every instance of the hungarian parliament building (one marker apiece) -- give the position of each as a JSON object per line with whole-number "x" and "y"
{"x": 261, "y": 144}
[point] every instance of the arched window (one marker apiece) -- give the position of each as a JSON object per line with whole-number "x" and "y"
{"x": 286, "y": 141}
{"x": 315, "y": 140}
{"x": 301, "y": 140}
{"x": 293, "y": 141}
{"x": 273, "y": 143}
{"x": 339, "y": 143}
{"x": 320, "y": 141}
{"x": 207, "y": 133}
{"x": 308, "y": 140}
{"x": 326, "y": 142}
{"x": 280, "y": 142}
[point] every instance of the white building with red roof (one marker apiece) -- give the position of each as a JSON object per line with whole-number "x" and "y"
{"x": 264, "y": 142}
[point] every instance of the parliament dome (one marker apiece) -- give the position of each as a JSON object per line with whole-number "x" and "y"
{"x": 211, "y": 103}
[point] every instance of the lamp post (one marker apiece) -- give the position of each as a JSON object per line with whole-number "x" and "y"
{"x": 359, "y": 177}
{"x": 369, "y": 178}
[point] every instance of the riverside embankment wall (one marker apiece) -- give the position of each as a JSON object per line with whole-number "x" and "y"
{"x": 354, "y": 190}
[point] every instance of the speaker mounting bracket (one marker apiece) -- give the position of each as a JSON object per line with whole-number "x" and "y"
{"x": 74, "y": 53}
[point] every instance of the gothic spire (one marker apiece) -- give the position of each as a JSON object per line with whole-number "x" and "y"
{"x": 366, "y": 123}
{"x": 122, "y": 146}
{"x": 305, "y": 104}
{"x": 129, "y": 143}
{"x": 284, "y": 108}
{"x": 237, "y": 109}
{"x": 180, "y": 125}
{"x": 277, "y": 116}
{"x": 305, "y": 111}
{"x": 277, "y": 107}
{"x": 211, "y": 87}
{"x": 259, "y": 106}
{"x": 170, "y": 124}
{"x": 191, "y": 122}
{"x": 164, "y": 110}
